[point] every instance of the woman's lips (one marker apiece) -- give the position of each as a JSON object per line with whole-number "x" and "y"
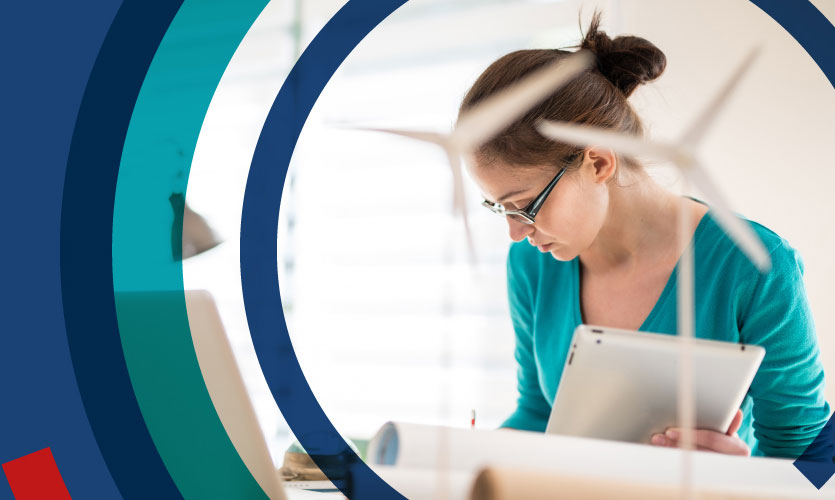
{"x": 543, "y": 247}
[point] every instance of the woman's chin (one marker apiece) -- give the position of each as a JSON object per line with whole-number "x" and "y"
{"x": 562, "y": 253}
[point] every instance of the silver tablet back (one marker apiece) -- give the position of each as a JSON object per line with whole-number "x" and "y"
{"x": 622, "y": 385}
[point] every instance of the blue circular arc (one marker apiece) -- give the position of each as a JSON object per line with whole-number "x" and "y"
{"x": 259, "y": 220}
{"x": 259, "y": 227}
{"x": 811, "y": 29}
{"x": 86, "y": 257}
{"x": 816, "y": 35}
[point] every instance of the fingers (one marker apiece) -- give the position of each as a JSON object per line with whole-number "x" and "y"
{"x": 660, "y": 440}
{"x": 735, "y": 423}
{"x": 720, "y": 443}
{"x": 704, "y": 440}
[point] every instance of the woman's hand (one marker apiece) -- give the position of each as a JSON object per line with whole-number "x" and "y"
{"x": 728, "y": 443}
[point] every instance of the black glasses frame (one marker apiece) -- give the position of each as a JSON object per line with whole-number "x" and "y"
{"x": 528, "y": 214}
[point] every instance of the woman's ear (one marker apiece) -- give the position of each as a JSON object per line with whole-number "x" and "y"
{"x": 603, "y": 164}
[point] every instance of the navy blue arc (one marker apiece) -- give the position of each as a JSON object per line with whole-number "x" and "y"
{"x": 86, "y": 243}
{"x": 815, "y": 33}
{"x": 259, "y": 222}
{"x": 259, "y": 226}
{"x": 811, "y": 29}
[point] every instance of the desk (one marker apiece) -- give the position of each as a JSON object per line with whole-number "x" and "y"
{"x": 412, "y": 452}
{"x": 295, "y": 494}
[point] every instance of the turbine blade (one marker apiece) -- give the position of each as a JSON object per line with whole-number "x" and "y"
{"x": 697, "y": 129}
{"x": 739, "y": 231}
{"x": 459, "y": 200}
{"x": 420, "y": 135}
{"x": 500, "y": 110}
{"x": 584, "y": 136}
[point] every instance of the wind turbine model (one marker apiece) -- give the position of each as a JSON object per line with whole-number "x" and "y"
{"x": 683, "y": 155}
{"x": 491, "y": 116}
{"x": 474, "y": 128}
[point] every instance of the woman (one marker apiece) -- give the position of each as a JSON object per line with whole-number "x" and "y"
{"x": 601, "y": 249}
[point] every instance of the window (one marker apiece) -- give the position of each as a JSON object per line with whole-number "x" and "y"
{"x": 388, "y": 318}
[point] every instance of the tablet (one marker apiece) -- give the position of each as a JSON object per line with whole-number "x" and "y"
{"x": 622, "y": 385}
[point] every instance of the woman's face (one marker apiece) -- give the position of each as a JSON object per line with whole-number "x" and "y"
{"x": 571, "y": 216}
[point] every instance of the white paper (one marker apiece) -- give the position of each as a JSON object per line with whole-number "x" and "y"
{"x": 415, "y": 446}
{"x": 421, "y": 484}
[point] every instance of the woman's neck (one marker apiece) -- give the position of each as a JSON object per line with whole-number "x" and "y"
{"x": 640, "y": 228}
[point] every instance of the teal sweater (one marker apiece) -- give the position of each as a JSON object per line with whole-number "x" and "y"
{"x": 785, "y": 407}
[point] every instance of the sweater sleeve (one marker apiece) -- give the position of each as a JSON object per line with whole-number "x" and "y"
{"x": 532, "y": 409}
{"x": 789, "y": 407}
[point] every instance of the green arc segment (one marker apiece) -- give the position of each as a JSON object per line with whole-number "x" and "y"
{"x": 155, "y": 335}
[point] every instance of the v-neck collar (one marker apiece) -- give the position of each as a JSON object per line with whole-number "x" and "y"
{"x": 669, "y": 287}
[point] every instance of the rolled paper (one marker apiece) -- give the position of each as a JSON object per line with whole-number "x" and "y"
{"x": 498, "y": 483}
{"x": 416, "y": 446}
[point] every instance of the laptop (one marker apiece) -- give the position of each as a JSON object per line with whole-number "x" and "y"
{"x": 228, "y": 392}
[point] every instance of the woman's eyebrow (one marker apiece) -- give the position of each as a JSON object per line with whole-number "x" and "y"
{"x": 510, "y": 195}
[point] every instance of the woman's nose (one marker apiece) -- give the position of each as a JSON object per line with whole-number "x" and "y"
{"x": 518, "y": 230}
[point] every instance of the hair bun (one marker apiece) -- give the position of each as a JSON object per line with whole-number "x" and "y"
{"x": 626, "y": 61}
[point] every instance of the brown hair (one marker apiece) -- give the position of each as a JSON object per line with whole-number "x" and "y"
{"x": 597, "y": 97}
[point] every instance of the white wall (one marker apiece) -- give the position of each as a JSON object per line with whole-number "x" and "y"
{"x": 772, "y": 149}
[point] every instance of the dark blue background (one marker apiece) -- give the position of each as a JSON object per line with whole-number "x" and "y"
{"x": 48, "y": 53}
{"x": 55, "y": 54}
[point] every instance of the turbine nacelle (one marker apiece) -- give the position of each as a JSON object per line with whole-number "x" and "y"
{"x": 682, "y": 155}
{"x": 488, "y": 118}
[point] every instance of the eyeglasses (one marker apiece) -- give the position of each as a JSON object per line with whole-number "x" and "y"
{"x": 528, "y": 214}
